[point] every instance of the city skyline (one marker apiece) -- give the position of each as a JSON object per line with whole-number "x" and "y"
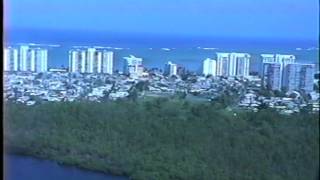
{"x": 279, "y": 71}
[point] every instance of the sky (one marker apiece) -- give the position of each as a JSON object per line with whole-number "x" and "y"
{"x": 273, "y": 19}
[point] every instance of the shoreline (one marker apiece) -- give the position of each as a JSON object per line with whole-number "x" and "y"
{"x": 63, "y": 163}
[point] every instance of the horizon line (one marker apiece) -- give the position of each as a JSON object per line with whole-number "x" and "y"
{"x": 127, "y": 35}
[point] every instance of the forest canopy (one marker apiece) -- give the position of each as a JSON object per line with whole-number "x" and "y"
{"x": 167, "y": 139}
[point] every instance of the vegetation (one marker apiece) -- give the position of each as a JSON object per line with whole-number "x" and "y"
{"x": 167, "y": 139}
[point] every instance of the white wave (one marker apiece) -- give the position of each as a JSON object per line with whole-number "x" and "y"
{"x": 312, "y": 48}
{"x": 54, "y": 45}
{"x": 116, "y": 48}
{"x": 209, "y": 48}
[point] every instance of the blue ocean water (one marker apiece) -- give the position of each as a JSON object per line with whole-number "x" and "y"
{"x": 18, "y": 167}
{"x": 187, "y": 51}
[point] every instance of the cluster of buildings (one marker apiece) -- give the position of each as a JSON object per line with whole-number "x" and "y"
{"x": 25, "y": 58}
{"x": 281, "y": 72}
{"x": 228, "y": 64}
{"x": 91, "y": 60}
{"x": 87, "y": 66}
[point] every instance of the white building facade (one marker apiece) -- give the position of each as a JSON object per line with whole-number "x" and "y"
{"x": 33, "y": 59}
{"x": 209, "y": 67}
{"x": 283, "y": 60}
{"x": 77, "y": 61}
{"x": 107, "y": 62}
{"x": 10, "y": 59}
{"x": 271, "y": 76}
{"x": 170, "y": 69}
{"x": 41, "y": 60}
{"x": 239, "y": 64}
{"x": 133, "y": 66}
{"x": 24, "y": 57}
{"x": 233, "y": 64}
{"x": 298, "y": 77}
{"x": 90, "y": 60}
{"x": 223, "y": 64}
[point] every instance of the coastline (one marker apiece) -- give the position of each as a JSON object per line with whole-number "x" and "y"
{"x": 62, "y": 162}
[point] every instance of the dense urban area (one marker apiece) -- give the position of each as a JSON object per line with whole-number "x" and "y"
{"x": 284, "y": 84}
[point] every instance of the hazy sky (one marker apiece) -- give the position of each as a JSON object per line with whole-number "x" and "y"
{"x": 293, "y": 19}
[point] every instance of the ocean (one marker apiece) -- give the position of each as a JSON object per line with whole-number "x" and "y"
{"x": 157, "y": 50}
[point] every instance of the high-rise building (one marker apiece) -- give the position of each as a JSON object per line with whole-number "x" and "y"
{"x": 97, "y": 62}
{"x": 298, "y": 77}
{"x": 41, "y": 60}
{"x": 307, "y": 77}
{"x": 209, "y": 67}
{"x": 239, "y": 64}
{"x": 266, "y": 58}
{"x": 91, "y": 60}
{"x": 77, "y": 60}
{"x": 291, "y": 77}
{"x": 25, "y": 56}
{"x": 33, "y": 59}
{"x": 233, "y": 64}
{"x": 223, "y": 64}
{"x": 170, "y": 69}
{"x": 91, "y": 57}
{"x": 133, "y": 66}
{"x": 181, "y": 70}
{"x": 232, "y": 70}
{"x": 107, "y": 62}
{"x": 10, "y": 59}
{"x": 282, "y": 59}
{"x": 271, "y": 76}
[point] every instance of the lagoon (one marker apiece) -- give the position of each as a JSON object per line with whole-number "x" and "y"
{"x": 19, "y": 167}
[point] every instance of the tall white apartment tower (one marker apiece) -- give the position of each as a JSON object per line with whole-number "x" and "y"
{"x": 77, "y": 60}
{"x": 209, "y": 67}
{"x": 239, "y": 64}
{"x": 90, "y": 60}
{"x": 97, "y": 62}
{"x": 41, "y": 60}
{"x": 271, "y": 75}
{"x": 10, "y": 59}
{"x": 170, "y": 69}
{"x": 223, "y": 64}
{"x": 107, "y": 62}
{"x": 33, "y": 59}
{"x": 298, "y": 77}
{"x": 232, "y": 65}
{"x": 24, "y": 54}
{"x": 282, "y": 59}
